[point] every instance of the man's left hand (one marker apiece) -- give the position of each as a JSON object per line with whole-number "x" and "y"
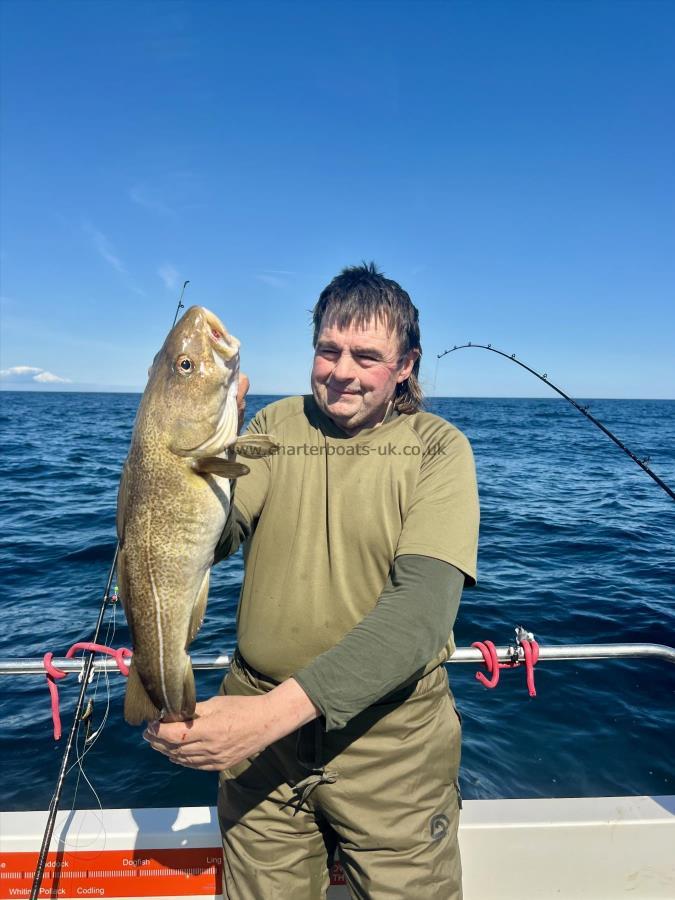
{"x": 225, "y": 731}
{"x": 229, "y": 729}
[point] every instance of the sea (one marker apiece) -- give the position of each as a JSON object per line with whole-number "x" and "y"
{"x": 577, "y": 545}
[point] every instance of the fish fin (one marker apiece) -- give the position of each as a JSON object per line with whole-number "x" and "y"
{"x": 253, "y": 446}
{"x": 214, "y": 465}
{"x": 189, "y": 692}
{"x": 138, "y": 707}
{"x": 123, "y": 586}
{"x": 178, "y": 717}
{"x": 198, "y": 610}
{"x": 122, "y": 502}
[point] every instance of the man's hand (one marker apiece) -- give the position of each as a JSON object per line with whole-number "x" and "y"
{"x": 241, "y": 398}
{"x": 226, "y": 731}
{"x": 231, "y": 729}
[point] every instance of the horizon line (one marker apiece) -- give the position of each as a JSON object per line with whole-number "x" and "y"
{"x": 135, "y": 392}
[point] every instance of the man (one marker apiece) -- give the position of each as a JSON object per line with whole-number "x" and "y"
{"x": 337, "y": 728}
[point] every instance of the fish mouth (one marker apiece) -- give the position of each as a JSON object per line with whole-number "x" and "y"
{"x": 224, "y": 343}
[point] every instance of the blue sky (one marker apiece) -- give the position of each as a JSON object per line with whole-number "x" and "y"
{"x": 510, "y": 164}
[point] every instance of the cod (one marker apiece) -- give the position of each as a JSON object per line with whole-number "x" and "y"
{"x": 173, "y": 500}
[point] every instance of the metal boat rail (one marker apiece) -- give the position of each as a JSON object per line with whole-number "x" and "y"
{"x": 514, "y": 653}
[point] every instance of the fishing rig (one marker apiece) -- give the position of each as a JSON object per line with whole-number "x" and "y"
{"x": 87, "y": 670}
{"x": 582, "y": 409}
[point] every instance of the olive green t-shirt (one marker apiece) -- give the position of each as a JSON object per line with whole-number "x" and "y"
{"x": 330, "y": 513}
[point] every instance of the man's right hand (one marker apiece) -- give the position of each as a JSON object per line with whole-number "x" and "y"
{"x": 244, "y": 385}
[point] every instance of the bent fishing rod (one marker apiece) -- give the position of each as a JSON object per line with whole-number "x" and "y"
{"x": 87, "y": 672}
{"x": 582, "y": 409}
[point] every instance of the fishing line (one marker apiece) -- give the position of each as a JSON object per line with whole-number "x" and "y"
{"x": 58, "y": 790}
{"x": 77, "y": 843}
{"x": 107, "y": 641}
{"x": 582, "y": 409}
{"x": 433, "y": 390}
{"x": 87, "y": 716}
{"x": 90, "y": 739}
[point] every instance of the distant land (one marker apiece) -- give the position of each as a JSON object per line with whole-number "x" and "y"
{"x": 72, "y": 388}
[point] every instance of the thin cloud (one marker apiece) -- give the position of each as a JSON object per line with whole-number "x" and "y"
{"x": 32, "y": 373}
{"x": 169, "y": 275}
{"x": 142, "y": 196}
{"x": 50, "y": 378}
{"x": 104, "y": 248}
{"x": 276, "y": 278}
{"x": 19, "y": 371}
{"x": 106, "y": 251}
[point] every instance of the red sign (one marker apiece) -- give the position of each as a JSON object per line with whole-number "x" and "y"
{"x": 126, "y": 874}
{"x": 121, "y": 874}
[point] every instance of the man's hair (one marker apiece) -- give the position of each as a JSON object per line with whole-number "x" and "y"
{"x": 361, "y": 294}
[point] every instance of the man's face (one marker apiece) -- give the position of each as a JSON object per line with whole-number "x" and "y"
{"x": 355, "y": 373}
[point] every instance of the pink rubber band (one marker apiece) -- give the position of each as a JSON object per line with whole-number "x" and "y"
{"x": 53, "y": 674}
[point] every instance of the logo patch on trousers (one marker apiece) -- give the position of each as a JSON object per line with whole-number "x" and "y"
{"x": 438, "y": 826}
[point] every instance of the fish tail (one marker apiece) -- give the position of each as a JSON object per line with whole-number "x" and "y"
{"x": 138, "y": 707}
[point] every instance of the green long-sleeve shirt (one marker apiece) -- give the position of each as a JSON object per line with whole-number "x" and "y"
{"x": 355, "y": 550}
{"x": 408, "y": 626}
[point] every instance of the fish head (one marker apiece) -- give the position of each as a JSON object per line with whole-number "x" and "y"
{"x": 192, "y": 386}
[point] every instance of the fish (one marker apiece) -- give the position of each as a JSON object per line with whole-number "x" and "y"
{"x": 173, "y": 500}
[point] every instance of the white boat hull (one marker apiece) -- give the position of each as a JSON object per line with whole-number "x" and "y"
{"x": 596, "y": 848}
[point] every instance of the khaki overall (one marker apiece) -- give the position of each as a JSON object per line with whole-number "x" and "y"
{"x": 382, "y": 792}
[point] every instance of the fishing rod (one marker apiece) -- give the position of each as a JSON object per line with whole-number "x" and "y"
{"x": 582, "y": 409}
{"x": 56, "y": 798}
{"x": 180, "y": 302}
{"x": 87, "y": 672}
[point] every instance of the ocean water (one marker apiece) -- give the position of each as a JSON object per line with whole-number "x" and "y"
{"x": 577, "y": 544}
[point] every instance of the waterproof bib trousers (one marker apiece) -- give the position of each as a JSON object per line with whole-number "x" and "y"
{"x": 382, "y": 793}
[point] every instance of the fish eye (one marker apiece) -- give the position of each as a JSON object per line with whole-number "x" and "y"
{"x": 185, "y": 365}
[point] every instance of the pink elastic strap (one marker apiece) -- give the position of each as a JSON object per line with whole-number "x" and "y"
{"x": 531, "y": 651}
{"x": 489, "y": 651}
{"x": 492, "y": 664}
{"x": 119, "y": 655}
{"x": 53, "y": 674}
